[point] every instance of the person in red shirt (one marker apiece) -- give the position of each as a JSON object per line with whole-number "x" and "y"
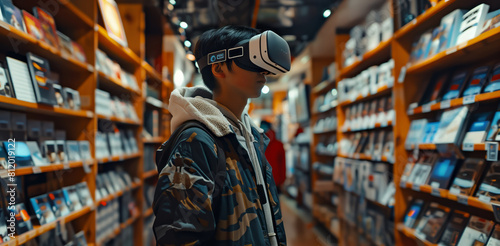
{"x": 275, "y": 155}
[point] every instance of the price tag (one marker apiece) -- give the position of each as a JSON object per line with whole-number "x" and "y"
{"x": 90, "y": 68}
{"x": 414, "y": 22}
{"x": 468, "y": 146}
{"x": 86, "y": 166}
{"x": 416, "y": 187}
{"x": 90, "y": 114}
{"x": 402, "y": 184}
{"x": 485, "y": 199}
{"x": 445, "y": 104}
{"x": 66, "y": 165}
{"x": 463, "y": 200}
{"x": 96, "y": 28}
{"x": 435, "y": 192}
{"x": 356, "y": 156}
{"x": 426, "y": 108}
{"x": 36, "y": 170}
{"x": 451, "y": 50}
{"x": 92, "y": 207}
{"x": 496, "y": 211}
{"x": 4, "y": 174}
{"x": 469, "y": 99}
{"x": 455, "y": 191}
{"x": 491, "y": 151}
{"x": 410, "y": 111}
{"x": 416, "y": 153}
{"x": 402, "y": 74}
{"x": 120, "y": 158}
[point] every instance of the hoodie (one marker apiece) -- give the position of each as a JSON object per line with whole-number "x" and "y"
{"x": 190, "y": 208}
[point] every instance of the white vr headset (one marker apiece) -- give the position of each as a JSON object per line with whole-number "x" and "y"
{"x": 265, "y": 52}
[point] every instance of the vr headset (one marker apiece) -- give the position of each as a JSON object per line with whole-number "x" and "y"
{"x": 265, "y": 52}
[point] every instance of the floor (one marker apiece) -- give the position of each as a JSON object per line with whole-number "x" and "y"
{"x": 299, "y": 226}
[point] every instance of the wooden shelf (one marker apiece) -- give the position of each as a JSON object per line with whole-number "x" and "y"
{"x": 41, "y": 229}
{"x": 325, "y": 132}
{"x": 129, "y": 222}
{"x": 148, "y": 212}
{"x": 115, "y": 86}
{"x": 151, "y": 72}
{"x": 118, "y": 194}
{"x": 430, "y": 146}
{"x": 373, "y": 57}
{"x": 443, "y": 193}
{"x": 125, "y": 55}
{"x": 156, "y": 140}
{"x": 119, "y": 120}
{"x": 382, "y": 91}
{"x": 364, "y": 157}
{"x": 435, "y": 13}
{"x": 49, "y": 168}
{"x": 323, "y": 87}
{"x": 455, "y": 102}
{"x": 378, "y": 126}
{"x": 154, "y": 102}
{"x": 332, "y": 107}
{"x": 15, "y": 104}
{"x": 325, "y": 154}
{"x": 118, "y": 158}
{"x": 150, "y": 174}
{"x": 486, "y": 43}
{"x": 28, "y": 43}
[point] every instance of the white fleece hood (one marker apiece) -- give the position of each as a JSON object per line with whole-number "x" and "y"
{"x": 196, "y": 103}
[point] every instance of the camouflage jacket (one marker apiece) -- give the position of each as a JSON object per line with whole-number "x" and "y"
{"x": 191, "y": 209}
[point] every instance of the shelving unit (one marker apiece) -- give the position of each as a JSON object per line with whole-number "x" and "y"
{"x": 83, "y": 23}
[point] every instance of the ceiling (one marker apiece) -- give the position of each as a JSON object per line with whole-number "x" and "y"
{"x": 298, "y": 21}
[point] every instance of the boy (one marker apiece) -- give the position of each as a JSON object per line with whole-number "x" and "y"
{"x": 193, "y": 206}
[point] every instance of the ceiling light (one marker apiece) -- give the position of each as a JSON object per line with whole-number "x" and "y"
{"x": 170, "y": 7}
{"x": 190, "y": 57}
{"x": 183, "y": 24}
{"x": 187, "y": 43}
{"x": 289, "y": 38}
{"x": 173, "y": 2}
{"x": 265, "y": 89}
{"x": 327, "y": 13}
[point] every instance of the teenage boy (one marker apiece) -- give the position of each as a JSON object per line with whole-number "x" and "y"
{"x": 193, "y": 204}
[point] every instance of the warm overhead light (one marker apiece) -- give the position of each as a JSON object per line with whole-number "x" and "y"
{"x": 265, "y": 89}
{"x": 289, "y": 38}
{"x": 187, "y": 43}
{"x": 190, "y": 57}
{"x": 183, "y": 24}
{"x": 170, "y": 7}
{"x": 173, "y": 2}
{"x": 327, "y": 13}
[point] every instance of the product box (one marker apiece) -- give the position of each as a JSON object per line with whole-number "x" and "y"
{"x": 431, "y": 225}
{"x": 451, "y": 29}
{"x": 23, "y": 220}
{"x": 21, "y": 80}
{"x": 472, "y": 23}
{"x": 39, "y": 70}
{"x": 58, "y": 203}
{"x": 413, "y": 213}
{"x": 43, "y": 209}
{"x": 490, "y": 186}
{"x": 71, "y": 198}
{"x": 84, "y": 194}
{"x": 417, "y": 130}
{"x": 467, "y": 177}
{"x": 13, "y": 16}
{"x": 6, "y": 88}
{"x": 453, "y": 230}
{"x": 434, "y": 90}
{"x": 477, "y": 231}
{"x": 33, "y": 26}
{"x": 479, "y": 126}
{"x": 494, "y": 80}
{"x": 450, "y": 126}
{"x": 22, "y": 153}
{"x": 495, "y": 236}
{"x": 48, "y": 25}
{"x": 477, "y": 81}
{"x": 443, "y": 172}
{"x": 456, "y": 86}
{"x": 36, "y": 154}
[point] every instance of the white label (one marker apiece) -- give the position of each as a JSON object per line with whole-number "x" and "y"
{"x": 90, "y": 68}
{"x": 435, "y": 192}
{"x": 86, "y": 167}
{"x": 451, "y": 50}
{"x": 485, "y": 199}
{"x": 410, "y": 111}
{"x": 491, "y": 151}
{"x": 435, "y": 184}
{"x": 4, "y": 174}
{"x": 463, "y": 200}
{"x": 402, "y": 184}
{"x": 37, "y": 170}
{"x": 445, "y": 104}
{"x": 5, "y": 25}
{"x": 426, "y": 108}
{"x": 455, "y": 191}
{"x": 414, "y": 22}
{"x": 416, "y": 187}
{"x": 384, "y": 124}
{"x": 469, "y": 99}
{"x": 66, "y": 165}
{"x": 402, "y": 74}
{"x": 90, "y": 114}
{"x": 468, "y": 146}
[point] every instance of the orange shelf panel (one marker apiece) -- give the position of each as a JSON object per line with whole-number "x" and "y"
{"x": 118, "y": 158}
{"x": 150, "y": 174}
{"x": 115, "y": 85}
{"x": 151, "y": 72}
{"x": 410, "y": 233}
{"x": 117, "y": 50}
{"x": 155, "y": 140}
{"x": 49, "y": 168}
{"x": 323, "y": 87}
{"x": 382, "y": 91}
{"x": 378, "y": 126}
{"x": 118, "y": 120}
{"x": 148, "y": 212}
{"x": 377, "y": 55}
{"x": 15, "y": 104}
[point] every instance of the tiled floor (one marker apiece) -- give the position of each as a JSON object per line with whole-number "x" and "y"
{"x": 299, "y": 226}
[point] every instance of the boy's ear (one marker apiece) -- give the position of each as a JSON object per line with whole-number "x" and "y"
{"x": 217, "y": 70}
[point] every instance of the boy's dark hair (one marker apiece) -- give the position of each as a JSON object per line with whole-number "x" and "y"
{"x": 217, "y": 39}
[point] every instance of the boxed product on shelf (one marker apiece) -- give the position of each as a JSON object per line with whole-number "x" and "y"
{"x": 450, "y": 25}
{"x": 13, "y": 16}
{"x": 488, "y": 190}
{"x": 494, "y": 80}
{"x": 434, "y": 90}
{"x": 476, "y": 133}
{"x": 451, "y": 126}
{"x": 467, "y": 177}
{"x": 6, "y": 88}
{"x": 58, "y": 203}
{"x": 456, "y": 85}
{"x": 417, "y": 130}
{"x": 21, "y": 81}
{"x": 454, "y": 228}
{"x": 33, "y": 26}
{"x": 477, "y": 230}
{"x": 443, "y": 172}
{"x": 415, "y": 209}
{"x": 48, "y": 26}
{"x": 477, "y": 81}
{"x": 472, "y": 23}
{"x": 495, "y": 236}
{"x": 431, "y": 224}
{"x": 43, "y": 209}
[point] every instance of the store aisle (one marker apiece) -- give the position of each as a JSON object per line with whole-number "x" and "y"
{"x": 299, "y": 226}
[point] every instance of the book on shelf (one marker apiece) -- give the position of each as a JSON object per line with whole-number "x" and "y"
{"x": 494, "y": 80}
{"x": 12, "y": 15}
{"x": 477, "y": 81}
{"x": 454, "y": 228}
{"x": 113, "y": 21}
{"x": 21, "y": 81}
{"x": 477, "y": 231}
{"x": 472, "y": 23}
{"x": 33, "y": 26}
{"x": 48, "y": 26}
{"x": 6, "y": 88}
{"x": 456, "y": 86}
{"x": 467, "y": 178}
{"x": 431, "y": 225}
{"x": 39, "y": 70}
